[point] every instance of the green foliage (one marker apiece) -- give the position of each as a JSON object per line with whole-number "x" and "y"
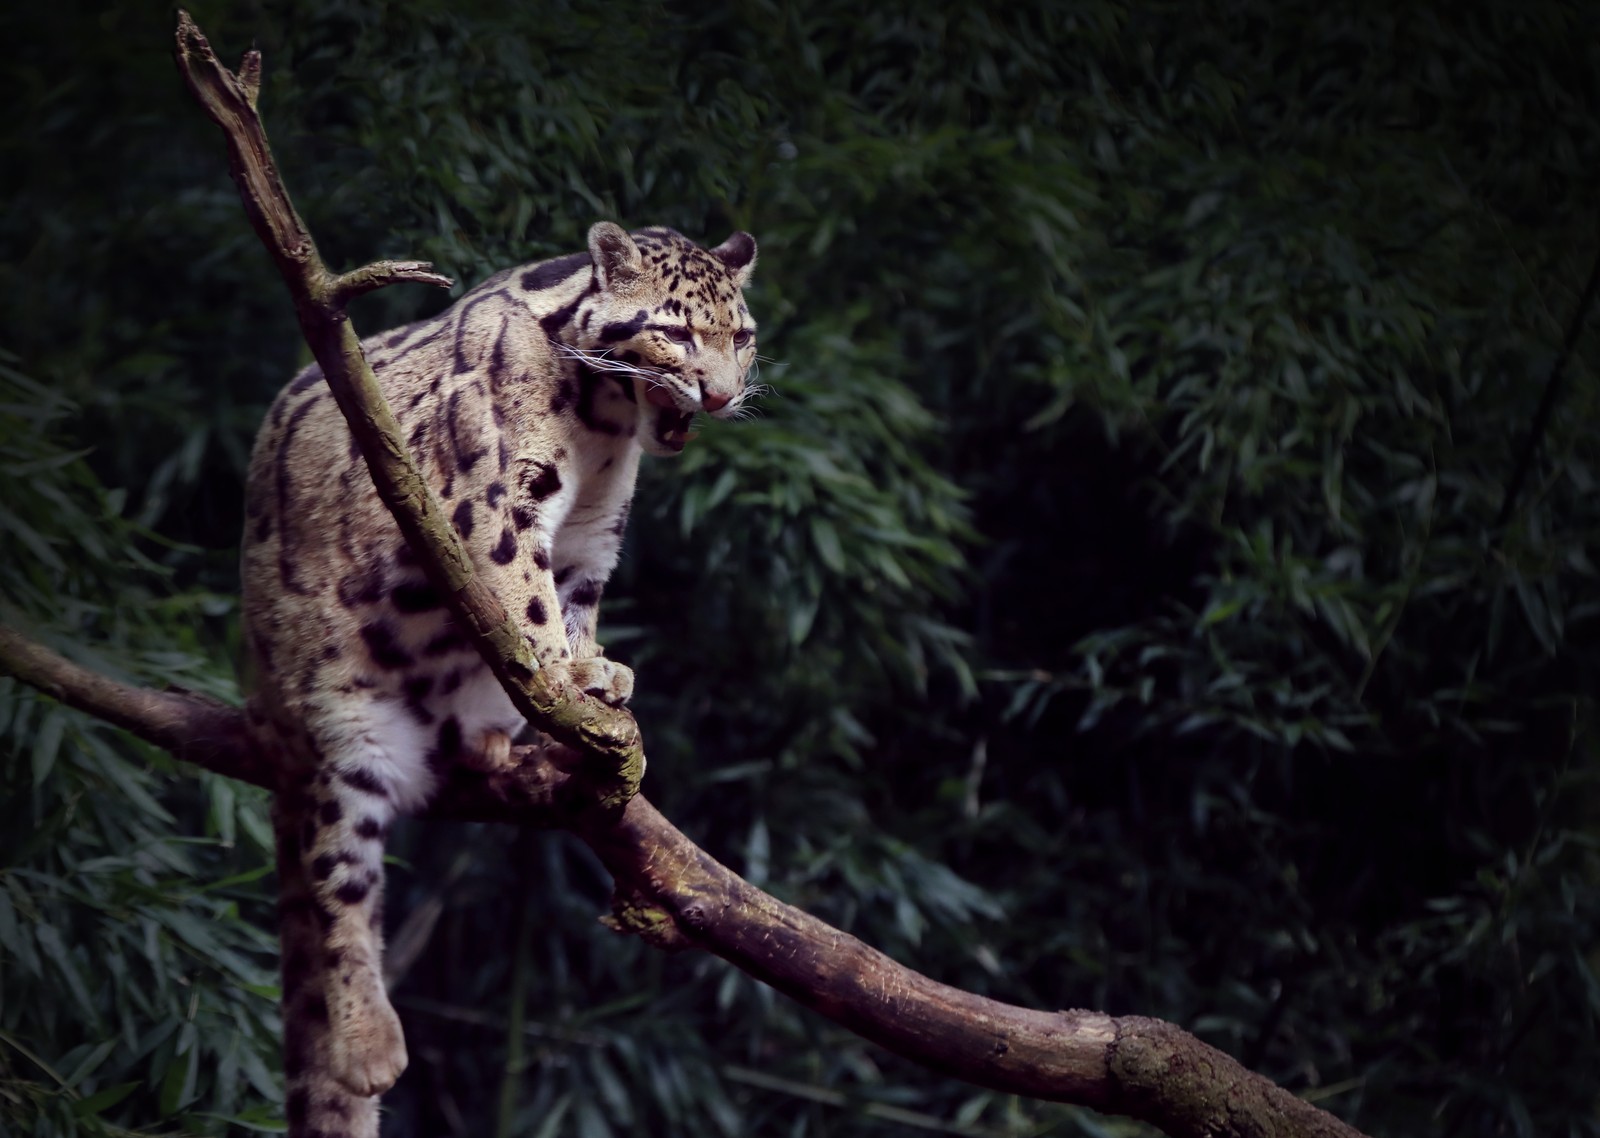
{"x": 1108, "y": 609}
{"x": 139, "y": 980}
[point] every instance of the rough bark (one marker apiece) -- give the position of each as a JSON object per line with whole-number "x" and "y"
{"x": 611, "y": 737}
{"x": 677, "y": 896}
{"x": 667, "y": 889}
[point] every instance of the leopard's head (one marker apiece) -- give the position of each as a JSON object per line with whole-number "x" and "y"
{"x": 671, "y": 320}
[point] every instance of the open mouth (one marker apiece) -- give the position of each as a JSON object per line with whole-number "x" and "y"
{"x": 671, "y": 425}
{"x": 672, "y": 428}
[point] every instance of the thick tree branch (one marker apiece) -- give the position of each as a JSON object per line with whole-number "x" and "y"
{"x": 677, "y": 895}
{"x": 668, "y": 889}
{"x": 195, "y": 728}
{"x": 609, "y": 735}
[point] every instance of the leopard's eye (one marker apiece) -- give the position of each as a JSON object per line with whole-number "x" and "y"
{"x": 742, "y": 337}
{"x": 678, "y": 335}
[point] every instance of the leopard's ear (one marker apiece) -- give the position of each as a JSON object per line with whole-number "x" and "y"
{"x": 616, "y": 258}
{"x": 738, "y": 252}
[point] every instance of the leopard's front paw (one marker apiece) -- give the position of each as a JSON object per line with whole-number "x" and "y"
{"x": 492, "y": 753}
{"x": 604, "y": 679}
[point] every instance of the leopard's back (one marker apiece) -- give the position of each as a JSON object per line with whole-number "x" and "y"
{"x": 336, "y": 609}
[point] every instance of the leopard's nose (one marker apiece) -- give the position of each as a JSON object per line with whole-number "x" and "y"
{"x": 713, "y": 402}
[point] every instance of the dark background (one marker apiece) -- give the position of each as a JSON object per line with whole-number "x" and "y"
{"x": 1109, "y": 609}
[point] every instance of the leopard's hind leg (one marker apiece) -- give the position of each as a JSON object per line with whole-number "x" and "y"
{"x": 317, "y": 1104}
{"x": 373, "y": 761}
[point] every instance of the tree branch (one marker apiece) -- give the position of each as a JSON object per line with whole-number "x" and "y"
{"x": 381, "y": 273}
{"x": 677, "y": 895}
{"x": 667, "y": 888}
{"x": 609, "y": 735}
{"x": 194, "y": 727}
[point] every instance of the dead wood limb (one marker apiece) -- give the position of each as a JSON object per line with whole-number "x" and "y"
{"x": 670, "y": 891}
{"x": 677, "y": 895}
{"x": 609, "y": 737}
{"x": 195, "y": 728}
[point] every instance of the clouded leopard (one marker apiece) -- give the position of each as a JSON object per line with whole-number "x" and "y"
{"x": 527, "y": 405}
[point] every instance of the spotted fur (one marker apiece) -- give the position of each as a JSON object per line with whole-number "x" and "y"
{"x": 527, "y": 406}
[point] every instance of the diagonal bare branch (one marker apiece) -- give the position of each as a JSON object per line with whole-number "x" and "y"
{"x": 677, "y": 895}
{"x": 668, "y": 889}
{"x": 194, "y": 727}
{"x": 609, "y": 735}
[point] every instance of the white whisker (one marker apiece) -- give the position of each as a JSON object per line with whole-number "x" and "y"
{"x": 602, "y": 362}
